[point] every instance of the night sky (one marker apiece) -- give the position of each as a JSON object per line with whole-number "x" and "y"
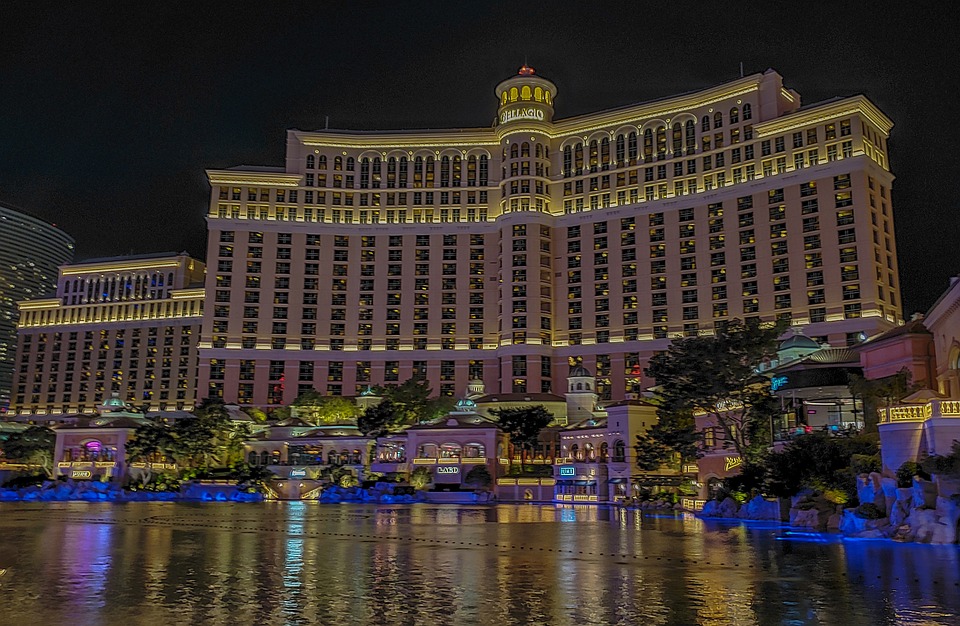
{"x": 109, "y": 113}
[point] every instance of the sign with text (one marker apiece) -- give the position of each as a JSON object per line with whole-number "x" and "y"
{"x": 568, "y": 470}
{"x": 448, "y": 469}
{"x": 81, "y": 474}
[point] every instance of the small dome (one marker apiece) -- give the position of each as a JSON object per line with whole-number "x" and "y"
{"x": 579, "y": 371}
{"x": 800, "y": 341}
{"x": 526, "y": 70}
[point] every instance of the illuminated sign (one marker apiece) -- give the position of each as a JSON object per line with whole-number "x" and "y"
{"x": 528, "y": 113}
{"x": 568, "y": 470}
{"x": 731, "y": 462}
{"x": 448, "y": 469}
{"x": 81, "y": 474}
{"x": 298, "y": 473}
{"x": 777, "y": 382}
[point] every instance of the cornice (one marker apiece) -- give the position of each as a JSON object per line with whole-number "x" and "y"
{"x": 240, "y": 177}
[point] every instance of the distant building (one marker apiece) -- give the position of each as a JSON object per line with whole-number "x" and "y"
{"x": 124, "y": 325}
{"x": 507, "y": 253}
{"x": 31, "y": 250}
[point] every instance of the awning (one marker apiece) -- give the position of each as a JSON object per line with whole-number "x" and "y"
{"x": 616, "y": 481}
{"x": 584, "y": 483}
{"x": 564, "y": 483}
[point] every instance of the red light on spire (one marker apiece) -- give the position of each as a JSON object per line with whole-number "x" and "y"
{"x": 526, "y": 70}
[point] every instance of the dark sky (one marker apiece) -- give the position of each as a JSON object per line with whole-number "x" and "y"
{"x": 109, "y": 113}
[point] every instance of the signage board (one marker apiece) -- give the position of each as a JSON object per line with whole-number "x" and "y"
{"x": 81, "y": 474}
{"x": 448, "y": 469}
{"x": 568, "y": 470}
{"x": 298, "y": 473}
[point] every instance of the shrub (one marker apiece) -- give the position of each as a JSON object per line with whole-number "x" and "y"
{"x": 25, "y": 480}
{"x": 907, "y": 471}
{"x": 865, "y": 464}
{"x": 421, "y": 477}
{"x": 947, "y": 465}
{"x": 869, "y": 510}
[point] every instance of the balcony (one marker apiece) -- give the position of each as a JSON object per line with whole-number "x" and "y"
{"x": 920, "y": 412}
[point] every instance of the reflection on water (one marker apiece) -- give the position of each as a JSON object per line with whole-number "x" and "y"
{"x": 304, "y": 563}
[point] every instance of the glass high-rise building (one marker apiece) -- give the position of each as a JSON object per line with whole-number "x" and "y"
{"x": 31, "y": 250}
{"x": 507, "y": 253}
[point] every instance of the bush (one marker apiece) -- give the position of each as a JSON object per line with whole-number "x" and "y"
{"x": 907, "y": 471}
{"x": 865, "y": 464}
{"x": 947, "y": 465}
{"x": 869, "y": 510}
{"x": 421, "y": 477}
{"x": 25, "y": 480}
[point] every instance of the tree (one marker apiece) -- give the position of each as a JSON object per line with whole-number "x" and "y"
{"x": 673, "y": 437}
{"x": 33, "y": 446}
{"x": 818, "y": 461}
{"x": 150, "y": 440}
{"x": 716, "y": 376}
{"x": 413, "y": 403}
{"x": 880, "y": 392}
{"x": 378, "y": 419}
{"x": 523, "y": 425}
{"x": 325, "y": 409}
{"x": 478, "y": 477}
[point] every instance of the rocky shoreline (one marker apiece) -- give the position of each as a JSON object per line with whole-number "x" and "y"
{"x": 93, "y": 491}
{"x": 926, "y": 512}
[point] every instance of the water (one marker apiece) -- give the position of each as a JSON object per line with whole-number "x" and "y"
{"x": 304, "y": 563}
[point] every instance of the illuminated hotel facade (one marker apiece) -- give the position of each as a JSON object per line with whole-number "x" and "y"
{"x": 125, "y": 326}
{"x": 31, "y": 250}
{"x": 504, "y": 254}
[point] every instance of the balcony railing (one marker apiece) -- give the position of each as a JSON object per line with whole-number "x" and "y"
{"x": 920, "y": 412}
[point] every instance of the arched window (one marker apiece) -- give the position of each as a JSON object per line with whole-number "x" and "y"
{"x": 514, "y": 94}
{"x": 593, "y": 155}
{"x": 620, "y": 150}
{"x": 264, "y": 458}
{"x": 647, "y": 144}
{"x": 503, "y": 98}
{"x": 484, "y": 171}
{"x": 525, "y": 92}
{"x": 632, "y": 146}
{"x": 747, "y": 112}
{"x": 691, "y": 131}
{"x": 605, "y": 152}
{"x": 578, "y": 158}
{"x": 364, "y": 173}
{"x": 349, "y": 164}
{"x": 444, "y": 171}
{"x": 322, "y": 162}
{"x": 575, "y": 452}
{"x": 567, "y": 162}
{"x": 589, "y": 452}
{"x": 338, "y": 163}
{"x": 474, "y": 450}
{"x": 604, "y": 452}
{"x": 332, "y": 457}
{"x": 450, "y": 451}
{"x": 717, "y": 119}
{"x": 525, "y": 149}
{"x": 677, "y": 138}
{"x": 661, "y": 141}
{"x": 538, "y": 94}
{"x": 579, "y": 386}
{"x": 619, "y": 450}
{"x": 514, "y": 151}
{"x": 734, "y": 115}
{"x": 355, "y": 457}
{"x": 705, "y": 124}
{"x": 311, "y": 161}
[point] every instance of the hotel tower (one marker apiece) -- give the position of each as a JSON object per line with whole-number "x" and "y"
{"x": 504, "y": 254}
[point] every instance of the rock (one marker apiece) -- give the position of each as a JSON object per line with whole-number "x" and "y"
{"x": 759, "y": 508}
{"x": 855, "y": 526}
{"x": 870, "y": 490}
{"x": 924, "y": 494}
{"x": 709, "y": 508}
{"x": 728, "y": 508}
{"x": 807, "y": 518}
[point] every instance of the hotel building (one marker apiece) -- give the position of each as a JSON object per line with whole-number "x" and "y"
{"x": 125, "y": 326}
{"x": 507, "y": 253}
{"x": 30, "y": 252}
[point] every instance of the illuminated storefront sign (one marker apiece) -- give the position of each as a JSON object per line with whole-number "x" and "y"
{"x": 731, "y": 462}
{"x": 448, "y": 469}
{"x": 81, "y": 474}
{"x": 298, "y": 473}
{"x": 777, "y": 382}
{"x": 528, "y": 113}
{"x": 568, "y": 470}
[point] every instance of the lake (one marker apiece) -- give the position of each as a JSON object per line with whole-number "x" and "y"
{"x": 307, "y": 563}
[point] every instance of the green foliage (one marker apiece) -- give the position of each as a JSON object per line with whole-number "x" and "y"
{"x": 716, "y": 375}
{"x": 150, "y": 440}
{"x": 523, "y": 425}
{"x": 33, "y": 446}
{"x": 947, "y": 465}
{"x": 865, "y": 464}
{"x": 320, "y": 409}
{"x": 25, "y": 480}
{"x": 478, "y": 477}
{"x": 412, "y": 402}
{"x": 818, "y": 461}
{"x": 673, "y": 437}
{"x": 158, "y": 482}
{"x": 907, "y": 471}
{"x": 379, "y": 419}
{"x": 869, "y": 510}
{"x": 421, "y": 477}
{"x": 348, "y": 480}
{"x": 257, "y": 415}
